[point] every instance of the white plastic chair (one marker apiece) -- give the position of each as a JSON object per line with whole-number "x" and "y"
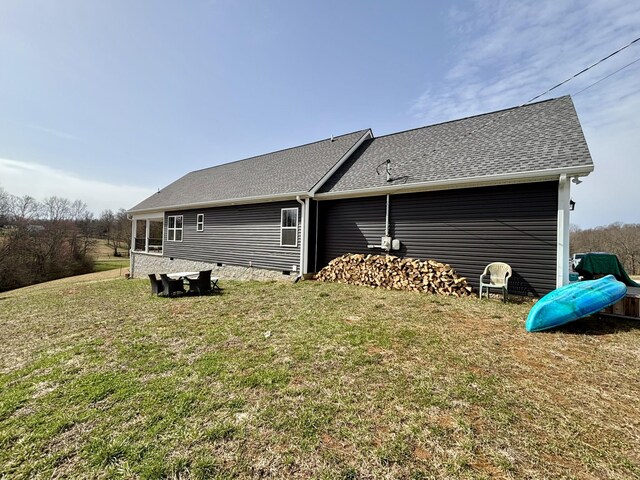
{"x": 498, "y": 274}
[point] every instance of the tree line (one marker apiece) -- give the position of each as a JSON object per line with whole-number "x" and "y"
{"x": 53, "y": 238}
{"x": 622, "y": 239}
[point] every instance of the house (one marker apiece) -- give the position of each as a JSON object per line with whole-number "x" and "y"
{"x": 492, "y": 187}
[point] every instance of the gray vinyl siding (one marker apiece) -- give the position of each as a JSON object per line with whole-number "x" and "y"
{"x": 348, "y": 226}
{"x": 467, "y": 228}
{"x": 236, "y": 235}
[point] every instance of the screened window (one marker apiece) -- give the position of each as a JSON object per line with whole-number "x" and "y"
{"x": 174, "y": 228}
{"x": 200, "y": 222}
{"x": 289, "y": 227}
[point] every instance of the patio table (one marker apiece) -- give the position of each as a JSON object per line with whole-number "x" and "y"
{"x": 182, "y": 275}
{"x": 193, "y": 275}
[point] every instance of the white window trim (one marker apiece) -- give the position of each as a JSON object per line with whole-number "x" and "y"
{"x": 282, "y": 229}
{"x": 175, "y": 229}
{"x": 200, "y": 224}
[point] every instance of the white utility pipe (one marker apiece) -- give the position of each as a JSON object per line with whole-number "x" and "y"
{"x": 386, "y": 224}
{"x": 305, "y": 246}
{"x": 302, "y": 235}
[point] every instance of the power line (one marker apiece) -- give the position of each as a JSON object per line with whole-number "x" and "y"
{"x": 610, "y": 75}
{"x": 509, "y": 110}
{"x": 584, "y": 70}
{"x": 565, "y": 81}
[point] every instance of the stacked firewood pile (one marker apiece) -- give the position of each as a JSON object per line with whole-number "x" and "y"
{"x": 393, "y": 273}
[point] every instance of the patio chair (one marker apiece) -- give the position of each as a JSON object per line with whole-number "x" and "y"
{"x": 156, "y": 284}
{"x": 201, "y": 285}
{"x": 496, "y": 275}
{"x": 171, "y": 286}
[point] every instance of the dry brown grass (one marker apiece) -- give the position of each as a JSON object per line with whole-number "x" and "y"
{"x": 99, "y": 379}
{"x": 76, "y": 280}
{"x": 101, "y": 250}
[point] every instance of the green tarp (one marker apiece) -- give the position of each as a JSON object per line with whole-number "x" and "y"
{"x": 603, "y": 264}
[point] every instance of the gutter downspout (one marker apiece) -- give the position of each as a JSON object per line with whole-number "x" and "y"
{"x": 562, "y": 250}
{"x": 303, "y": 238}
{"x": 386, "y": 223}
{"x": 305, "y": 245}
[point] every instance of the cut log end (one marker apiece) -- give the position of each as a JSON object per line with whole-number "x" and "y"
{"x": 393, "y": 273}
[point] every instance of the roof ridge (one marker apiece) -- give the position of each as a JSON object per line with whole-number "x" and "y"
{"x": 472, "y": 116}
{"x": 278, "y": 151}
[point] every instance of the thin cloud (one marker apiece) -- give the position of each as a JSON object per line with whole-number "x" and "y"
{"x": 40, "y": 181}
{"x": 50, "y": 131}
{"x": 508, "y": 52}
{"x": 512, "y": 51}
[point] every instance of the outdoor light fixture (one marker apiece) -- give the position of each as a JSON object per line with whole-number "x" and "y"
{"x": 572, "y": 205}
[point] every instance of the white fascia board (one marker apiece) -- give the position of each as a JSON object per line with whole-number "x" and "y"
{"x": 367, "y": 135}
{"x": 222, "y": 203}
{"x": 155, "y": 215}
{"x": 481, "y": 181}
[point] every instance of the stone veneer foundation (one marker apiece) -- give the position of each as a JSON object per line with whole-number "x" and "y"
{"x": 143, "y": 264}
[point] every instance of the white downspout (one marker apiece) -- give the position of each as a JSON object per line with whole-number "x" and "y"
{"x": 386, "y": 222}
{"x": 303, "y": 238}
{"x": 315, "y": 243}
{"x": 562, "y": 251}
{"x": 305, "y": 245}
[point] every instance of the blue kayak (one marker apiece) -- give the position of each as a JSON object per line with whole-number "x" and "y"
{"x": 574, "y": 301}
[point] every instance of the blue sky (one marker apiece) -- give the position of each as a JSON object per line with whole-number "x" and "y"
{"x": 108, "y": 101}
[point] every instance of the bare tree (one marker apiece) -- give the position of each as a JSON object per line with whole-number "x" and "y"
{"x": 620, "y": 239}
{"x": 85, "y": 226}
{"x": 123, "y": 228}
{"x": 78, "y": 210}
{"x": 23, "y": 209}
{"x": 52, "y": 239}
{"x": 625, "y": 241}
{"x": 108, "y": 228}
{"x": 56, "y": 208}
{"x": 4, "y": 205}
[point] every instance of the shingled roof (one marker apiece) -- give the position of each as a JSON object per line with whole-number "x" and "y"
{"x": 544, "y": 136}
{"x": 539, "y": 138}
{"x": 293, "y": 171}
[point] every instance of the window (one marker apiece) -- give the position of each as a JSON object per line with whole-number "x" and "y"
{"x": 200, "y": 222}
{"x": 289, "y": 227}
{"x": 174, "y": 228}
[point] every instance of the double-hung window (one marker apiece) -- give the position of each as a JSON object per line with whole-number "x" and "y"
{"x": 174, "y": 228}
{"x": 200, "y": 222}
{"x": 289, "y": 227}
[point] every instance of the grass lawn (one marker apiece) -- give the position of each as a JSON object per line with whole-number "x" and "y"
{"x": 104, "y": 259}
{"x": 102, "y": 264}
{"x": 101, "y": 249}
{"x": 102, "y": 380}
